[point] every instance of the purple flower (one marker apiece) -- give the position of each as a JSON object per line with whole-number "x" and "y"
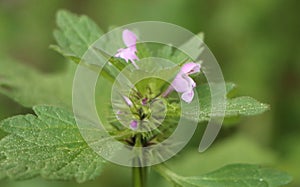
{"x": 128, "y": 101}
{"x": 129, "y": 53}
{"x": 144, "y": 101}
{"x": 183, "y": 83}
{"x": 133, "y": 124}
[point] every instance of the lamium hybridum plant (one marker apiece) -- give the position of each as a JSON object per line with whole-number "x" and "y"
{"x": 49, "y": 144}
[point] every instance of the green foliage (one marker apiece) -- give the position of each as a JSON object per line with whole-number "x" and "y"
{"x": 235, "y": 107}
{"x": 259, "y": 52}
{"x": 75, "y": 34}
{"x": 235, "y": 175}
{"x": 74, "y": 37}
{"x": 30, "y": 87}
{"x": 49, "y": 145}
{"x": 244, "y": 106}
{"x": 179, "y": 57}
{"x": 234, "y": 149}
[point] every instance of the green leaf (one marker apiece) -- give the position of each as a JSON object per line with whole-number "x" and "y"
{"x": 233, "y": 149}
{"x": 179, "y": 57}
{"x": 30, "y": 87}
{"x": 143, "y": 51}
{"x": 235, "y": 107}
{"x": 49, "y": 145}
{"x": 75, "y": 34}
{"x": 235, "y": 175}
{"x": 194, "y": 47}
{"x": 241, "y": 175}
{"x": 244, "y": 106}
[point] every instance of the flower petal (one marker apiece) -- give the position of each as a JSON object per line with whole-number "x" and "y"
{"x": 129, "y": 38}
{"x": 192, "y": 83}
{"x": 128, "y": 101}
{"x": 127, "y": 54}
{"x": 188, "y": 96}
{"x": 180, "y": 84}
{"x": 190, "y": 68}
{"x": 183, "y": 83}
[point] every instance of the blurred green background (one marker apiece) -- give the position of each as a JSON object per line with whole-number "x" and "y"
{"x": 256, "y": 43}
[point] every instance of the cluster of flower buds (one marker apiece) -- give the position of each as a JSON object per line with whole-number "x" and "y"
{"x": 182, "y": 82}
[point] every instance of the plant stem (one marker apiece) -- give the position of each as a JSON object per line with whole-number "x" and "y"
{"x": 139, "y": 173}
{"x": 139, "y": 176}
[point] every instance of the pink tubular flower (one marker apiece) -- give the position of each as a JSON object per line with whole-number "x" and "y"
{"x": 129, "y": 53}
{"x": 183, "y": 83}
